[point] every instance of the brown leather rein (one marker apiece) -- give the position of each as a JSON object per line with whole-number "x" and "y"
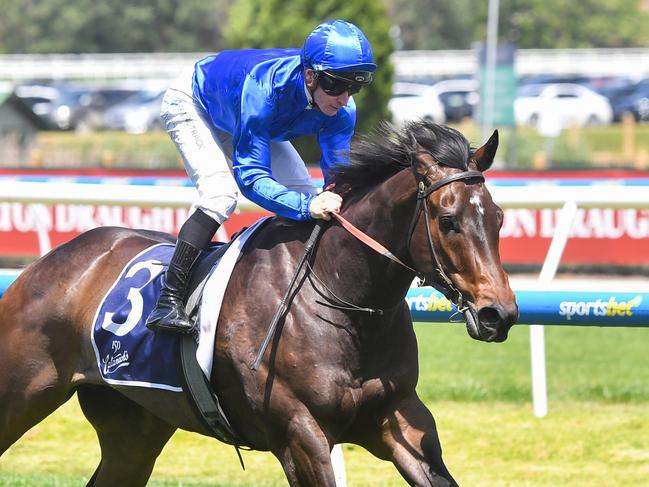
{"x": 444, "y": 283}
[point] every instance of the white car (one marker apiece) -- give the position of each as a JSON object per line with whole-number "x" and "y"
{"x": 563, "y": 104}
{"x": 413, "y": 101}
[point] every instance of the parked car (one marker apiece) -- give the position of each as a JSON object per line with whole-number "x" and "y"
{"x": 137, "y": 114}
{"x": 71, "y": 107}
{"x": 634, "y": 100}
{"x": 413, "y": 101}
{"x": 567, "y": 103}
{"x": 94, "y": 104}
{"x": 546, "y": 79}
{"x": 459, "y": 97}
{"x": 54, "y": 104}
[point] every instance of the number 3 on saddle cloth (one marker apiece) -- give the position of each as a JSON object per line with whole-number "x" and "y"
{"x": 127, "y": 352}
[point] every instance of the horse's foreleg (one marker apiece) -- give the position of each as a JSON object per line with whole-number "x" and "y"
{"x": 131, "y": 438}
{"x": 407, "y": 435}
{"x": 305, "y": 457}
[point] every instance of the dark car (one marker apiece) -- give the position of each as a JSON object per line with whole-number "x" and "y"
{"x": 137, "y": 114}
{"x": 93, "y": 105}
{"x": 71, "y": 107}
{"x": 633, "y": 100}
{"x": 54, "y": 103}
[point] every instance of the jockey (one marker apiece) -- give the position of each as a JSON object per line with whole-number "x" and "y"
{"x": 231, "y": 119}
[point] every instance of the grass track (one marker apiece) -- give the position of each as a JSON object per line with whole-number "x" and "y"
{"x": 597, "y": 432}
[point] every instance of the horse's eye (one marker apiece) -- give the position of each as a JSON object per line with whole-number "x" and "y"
{"x": 448, "y": 224}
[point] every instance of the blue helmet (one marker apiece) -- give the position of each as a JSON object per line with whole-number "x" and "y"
{"x": 337, "y": 45}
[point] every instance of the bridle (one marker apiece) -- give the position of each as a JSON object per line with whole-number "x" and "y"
{"x": 442, "y": 282}
{"x": 444, "y": 285}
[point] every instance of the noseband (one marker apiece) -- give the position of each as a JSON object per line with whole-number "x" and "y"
{"x": 442, "y": 283}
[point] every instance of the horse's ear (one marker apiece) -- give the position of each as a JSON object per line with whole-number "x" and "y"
{"x": 484, "y": 156}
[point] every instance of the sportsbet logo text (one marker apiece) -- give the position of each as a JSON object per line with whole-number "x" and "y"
{"x": 599, "y": 308}
{"x": 429, "y": 303}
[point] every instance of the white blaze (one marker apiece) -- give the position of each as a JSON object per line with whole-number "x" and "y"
{"x": 477, "y": 202}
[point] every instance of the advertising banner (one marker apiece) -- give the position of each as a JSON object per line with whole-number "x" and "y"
{"x": 599, "y": 236}
{"x": 547, "y": 307}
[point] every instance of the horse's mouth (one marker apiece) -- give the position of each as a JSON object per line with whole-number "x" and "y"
{"x": 480, "y": 329}
{"x": 472, "y": 326}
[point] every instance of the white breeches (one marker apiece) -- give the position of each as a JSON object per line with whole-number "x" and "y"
{"x": 207, "y": 153}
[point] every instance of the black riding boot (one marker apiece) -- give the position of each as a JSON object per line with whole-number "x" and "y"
{"x": 169, "y": 313}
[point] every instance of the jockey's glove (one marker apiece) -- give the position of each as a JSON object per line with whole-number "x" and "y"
{"x": 325, "y": 203}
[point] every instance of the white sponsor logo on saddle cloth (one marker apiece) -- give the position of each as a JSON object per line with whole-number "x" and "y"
{"x": 127, "y": 352}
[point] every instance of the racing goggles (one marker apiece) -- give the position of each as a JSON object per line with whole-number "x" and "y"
{"x": 337, "y": 84}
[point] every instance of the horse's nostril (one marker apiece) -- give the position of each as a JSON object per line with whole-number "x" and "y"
{"x": 489, "y": 317}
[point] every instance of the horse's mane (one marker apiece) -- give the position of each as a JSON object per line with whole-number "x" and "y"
{"x": 375, "y": 157}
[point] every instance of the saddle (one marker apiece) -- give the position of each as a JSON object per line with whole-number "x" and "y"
{"x": 200, "y": 395}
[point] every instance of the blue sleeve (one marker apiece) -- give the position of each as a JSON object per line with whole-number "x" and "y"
{"x": 251, "y": 158}
{"x": 335, "y": 138}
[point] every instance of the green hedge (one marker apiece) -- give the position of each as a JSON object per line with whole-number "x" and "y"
{"x": 574, "y": 148}
{"x": 152, "y": 150}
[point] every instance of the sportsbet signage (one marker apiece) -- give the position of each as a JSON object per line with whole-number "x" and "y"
{"x": 548, "y": 307}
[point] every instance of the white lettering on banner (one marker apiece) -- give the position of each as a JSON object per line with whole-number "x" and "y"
{"x": 111, "y": 216}
{"x": 181, "y": 215}
{"x": 17, "y": 217}
{"x": 518, "y": 223}
{"x": 611, "y": 307}
{"x": 636, "y": 223}
{"x": 85, "y": 218}
{"x": 63, "y": 218}
{"x": 5, "y": 221}
{"x": 22, "y": 218}
{"x": 603, "y": 224}
{"x": 593, "y": 223}
{"x": 548, "y": 222}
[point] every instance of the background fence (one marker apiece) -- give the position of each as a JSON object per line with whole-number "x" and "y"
{"x": 633, "y": 62}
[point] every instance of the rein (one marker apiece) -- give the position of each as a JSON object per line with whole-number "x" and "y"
{"x": 446, "y": 286}
{"x": 371, "y": 243}
{"x": 288, "y": 297}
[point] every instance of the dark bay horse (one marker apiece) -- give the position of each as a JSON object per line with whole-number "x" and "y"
{"x": 331, "y": 374}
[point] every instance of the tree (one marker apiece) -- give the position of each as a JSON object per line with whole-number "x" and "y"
{"x": 531, "y": 24}
{"x": 433, "y": 24}
{"x": 88, "y": 26}
{"x": 277, "y": 23}
{"x": 547, "y": 24}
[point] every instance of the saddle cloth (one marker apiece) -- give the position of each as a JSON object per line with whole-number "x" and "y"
{"x": 127, "y": 352}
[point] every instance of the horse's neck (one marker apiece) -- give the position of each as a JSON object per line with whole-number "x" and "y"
{"x": 384, "y": 213}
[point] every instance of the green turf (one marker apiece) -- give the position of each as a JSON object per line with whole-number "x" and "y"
{"x": 596, "y": 432}
{"x": 583, "y": 363}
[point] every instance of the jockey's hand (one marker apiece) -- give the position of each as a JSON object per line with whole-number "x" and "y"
{"x": 324, "y": 204}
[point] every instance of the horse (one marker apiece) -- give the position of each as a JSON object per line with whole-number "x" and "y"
{"x": 342, "y": 365}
